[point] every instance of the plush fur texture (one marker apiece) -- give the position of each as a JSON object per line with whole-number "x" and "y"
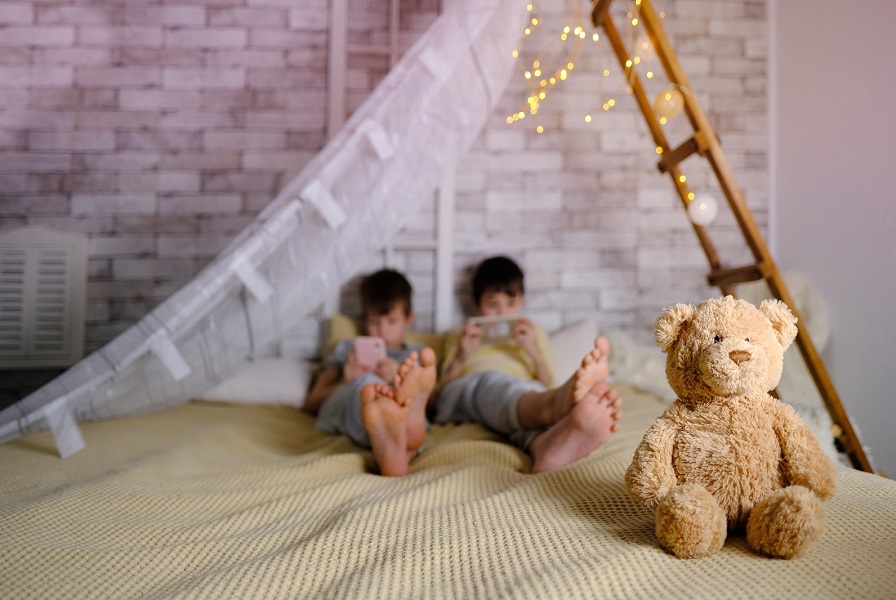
{"x": 726, "y": 456}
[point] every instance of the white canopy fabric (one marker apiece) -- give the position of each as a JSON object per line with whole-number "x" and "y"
{"x": 355, "y": 194}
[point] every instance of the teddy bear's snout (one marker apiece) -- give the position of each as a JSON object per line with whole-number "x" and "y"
{"x": 739, "y": 356}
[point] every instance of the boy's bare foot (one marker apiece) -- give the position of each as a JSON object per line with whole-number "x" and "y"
{"x": 595, "y": 369}
{"x": 385, "y": 419}
{"x": 543, "y": 409}
{"x": 413, "y": 385}
{"x": 587, "y": 426}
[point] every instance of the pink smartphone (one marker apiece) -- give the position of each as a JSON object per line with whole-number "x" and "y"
{"x": 369, "y": 350}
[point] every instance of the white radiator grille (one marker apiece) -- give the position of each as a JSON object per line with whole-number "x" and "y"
{"x": 42, "y": 298}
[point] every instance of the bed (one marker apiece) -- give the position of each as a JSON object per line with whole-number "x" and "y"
{"x": 233, "y": 500}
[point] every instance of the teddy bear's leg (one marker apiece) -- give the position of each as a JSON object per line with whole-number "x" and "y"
{"x": 786, "y": 523}
{"x": 690, "y": 523}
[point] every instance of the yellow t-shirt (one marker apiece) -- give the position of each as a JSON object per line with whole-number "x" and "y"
{"x": 500, "y": 355}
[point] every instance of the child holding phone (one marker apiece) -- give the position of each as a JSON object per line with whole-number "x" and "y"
{"x": 505, "y": 383}
{"x": 374, "y": 389}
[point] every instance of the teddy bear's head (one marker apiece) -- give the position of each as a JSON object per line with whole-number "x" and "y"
{"x": 724, "y": 346}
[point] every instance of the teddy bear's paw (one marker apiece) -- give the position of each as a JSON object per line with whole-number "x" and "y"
{"x": 786, "y": 523}
{"x": 690, "y": 523}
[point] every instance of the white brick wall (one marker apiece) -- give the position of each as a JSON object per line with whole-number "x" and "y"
{"x": 161, "y": 130}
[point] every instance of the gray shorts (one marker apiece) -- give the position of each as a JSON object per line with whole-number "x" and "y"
{"x": 489, "y": 398}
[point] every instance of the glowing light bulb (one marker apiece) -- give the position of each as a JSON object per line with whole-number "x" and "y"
{"x": 515, "y": 53}
{"x": 587, "y": 118}
{"x": 595, "y": 37}
{"x": 669, "y": 103}
{"x": 659, "y": 149}
{"x": 539, "y": 129}
{"x": 703, "y": 209}
{"x": 606, "y": 72}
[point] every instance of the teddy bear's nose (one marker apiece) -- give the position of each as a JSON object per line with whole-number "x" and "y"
{"x": 739, "y": 356}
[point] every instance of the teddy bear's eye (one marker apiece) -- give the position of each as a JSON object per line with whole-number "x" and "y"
{"x": 717, "y": 339}
{"x": 747, "y": 340}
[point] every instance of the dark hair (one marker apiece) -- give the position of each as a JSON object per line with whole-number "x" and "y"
{"x": 382, "y": 290}
{"x": 497, "y": 274}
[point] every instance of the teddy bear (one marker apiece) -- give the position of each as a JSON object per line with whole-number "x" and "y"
{"x": 726, "y": 456}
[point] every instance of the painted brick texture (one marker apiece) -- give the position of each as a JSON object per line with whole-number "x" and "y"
{"x": 160, "y": 129}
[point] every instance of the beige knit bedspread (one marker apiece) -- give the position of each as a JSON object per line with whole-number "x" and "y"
{"x": 229, "y": 501}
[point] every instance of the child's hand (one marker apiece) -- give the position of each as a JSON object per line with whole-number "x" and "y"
{"x": 352, "y": 369}
{"x": 470, "y": 340}
{"x": 523, "y": 332}
{"x": 387, "y": 369}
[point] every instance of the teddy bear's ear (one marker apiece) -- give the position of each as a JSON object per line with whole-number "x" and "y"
{"x": 783, "y": 321}
{"x": 668, "y": 325}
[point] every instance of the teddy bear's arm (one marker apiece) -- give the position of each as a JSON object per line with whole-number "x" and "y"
{"x": 651, "y": 476}
{"x": 805, "y": 461}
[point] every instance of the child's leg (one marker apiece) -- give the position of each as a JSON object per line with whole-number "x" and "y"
{"x": 340, "y": 413}
{"x": 585, "y": 428}
{"x": 395, "y": 419}
{"x": 489, "y": 398}
{"x": 413, "y": 385}
{"x": 542, "y": 409}
{"x": 580, "y": 415}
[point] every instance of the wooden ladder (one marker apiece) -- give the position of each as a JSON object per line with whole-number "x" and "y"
{"x": 705, "y": 143}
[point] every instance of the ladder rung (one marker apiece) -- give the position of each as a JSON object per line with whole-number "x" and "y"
{"x": 726, "y": 277}
{"x": 599, "y": 12}
{"x": 671, "y": 159}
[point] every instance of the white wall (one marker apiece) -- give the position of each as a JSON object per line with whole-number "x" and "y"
{"x": 834, "y": 98}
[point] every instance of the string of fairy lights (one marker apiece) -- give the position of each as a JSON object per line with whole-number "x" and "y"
{"x": 559, "y": 55}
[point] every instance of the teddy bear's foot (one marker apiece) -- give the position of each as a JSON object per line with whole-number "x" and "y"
{"x": 786, "y": 523}
{"x": 690, "y": 523}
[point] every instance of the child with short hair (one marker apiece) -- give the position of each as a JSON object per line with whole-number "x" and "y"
{"x": 505, "y": 385}
{"x": 383, "y": 406}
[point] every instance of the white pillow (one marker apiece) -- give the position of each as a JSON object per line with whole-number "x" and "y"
{"x": 569, "y": 345}
{"x": 278, "y": 381}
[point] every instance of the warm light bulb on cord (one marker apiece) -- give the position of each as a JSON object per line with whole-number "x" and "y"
{"x": 703, "y": 209}
{"x": 668, "y": 103}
